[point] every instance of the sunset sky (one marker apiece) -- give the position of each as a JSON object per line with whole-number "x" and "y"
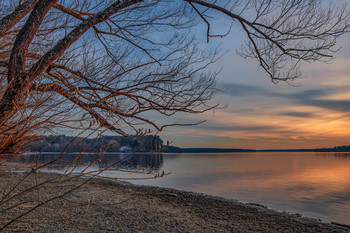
{"x": 311, "y": 112}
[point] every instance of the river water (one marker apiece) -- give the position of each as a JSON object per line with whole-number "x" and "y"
{"x": 314, "y": 184}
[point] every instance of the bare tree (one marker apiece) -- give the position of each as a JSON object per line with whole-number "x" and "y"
{"x": 89, "y": 66}
{"x": 111, "y": 62}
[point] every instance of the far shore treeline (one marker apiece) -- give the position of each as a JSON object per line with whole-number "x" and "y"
{"x": 62, "y": 143}
{"x": 135, "y": 143}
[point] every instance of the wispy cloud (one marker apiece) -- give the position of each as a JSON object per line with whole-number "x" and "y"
{"x": 313, "y": 97}
{"x": 236, "y": 89}
{"x": 297, "y": 114}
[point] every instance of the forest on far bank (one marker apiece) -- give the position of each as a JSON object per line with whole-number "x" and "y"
{"x": 62, "y": 143}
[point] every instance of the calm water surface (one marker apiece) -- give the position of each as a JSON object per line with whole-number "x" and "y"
{"x": 314, "y": 184}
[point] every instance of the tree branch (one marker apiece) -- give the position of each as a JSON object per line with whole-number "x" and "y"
{"x": 75, "y": 34}
{"x": 67, "y": 94}
{"x": 12, "y": 19}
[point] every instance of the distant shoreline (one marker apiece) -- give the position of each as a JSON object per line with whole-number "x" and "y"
{"x": 144, "y": 144}
{"x": 222, "y": 150}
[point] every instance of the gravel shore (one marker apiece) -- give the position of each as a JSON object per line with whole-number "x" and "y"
{"x": 107, "y": 206}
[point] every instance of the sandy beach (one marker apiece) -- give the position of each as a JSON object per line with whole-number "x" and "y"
{"x": 108, "y": 206}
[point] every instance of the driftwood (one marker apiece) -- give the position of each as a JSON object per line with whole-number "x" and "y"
{"x": 340, "y": 224}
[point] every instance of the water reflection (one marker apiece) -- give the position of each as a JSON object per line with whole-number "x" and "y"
{"x": 136, "y": 161}
{"x": 334, "y": 154}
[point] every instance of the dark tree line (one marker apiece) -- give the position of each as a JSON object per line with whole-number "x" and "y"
{"x": 148, "y": 143}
